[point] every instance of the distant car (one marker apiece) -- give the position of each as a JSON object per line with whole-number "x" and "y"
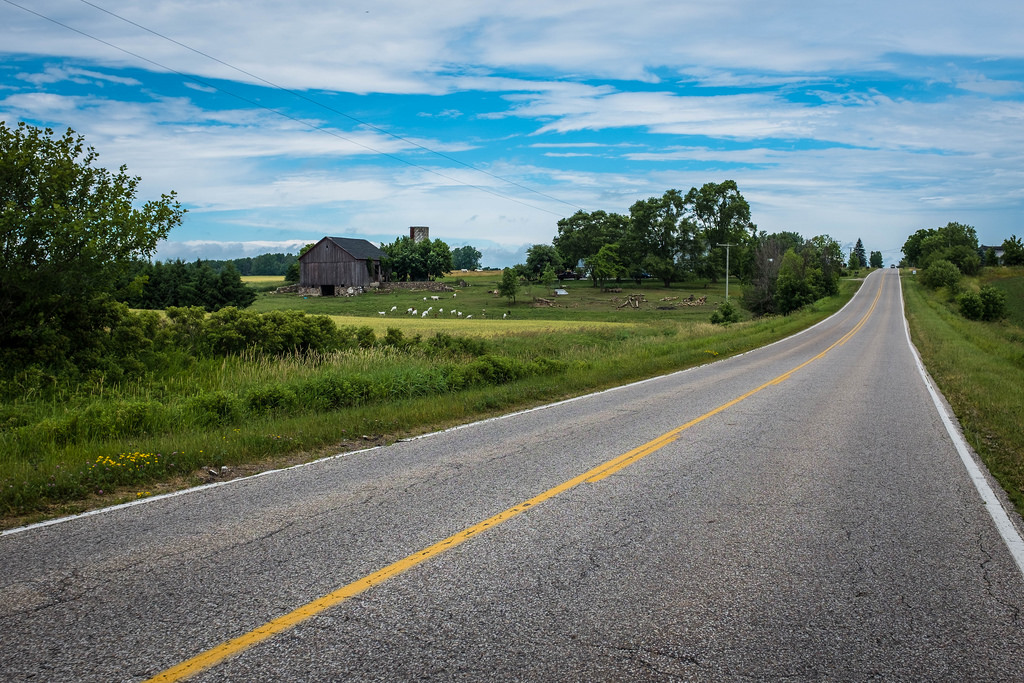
{"x": 892, "y": 265}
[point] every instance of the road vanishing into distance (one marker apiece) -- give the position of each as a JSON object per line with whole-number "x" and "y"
{"x": 797, "y": 512}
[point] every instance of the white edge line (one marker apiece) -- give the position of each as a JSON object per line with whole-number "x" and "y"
{"x": 1007, "y": 529}
{"x": 204, "y": 487}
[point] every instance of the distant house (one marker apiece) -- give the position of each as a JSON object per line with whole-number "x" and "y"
{"x": 335, "y": 264}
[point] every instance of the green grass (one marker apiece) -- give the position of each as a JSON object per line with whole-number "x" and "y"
{"x": 979, "y": 367}
{"x": 81, "y": 447}
{"x": 583, "y": 302}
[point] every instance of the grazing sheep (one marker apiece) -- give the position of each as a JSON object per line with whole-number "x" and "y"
{"x": 394, "y": 308}
{"x": 382, "y": 312}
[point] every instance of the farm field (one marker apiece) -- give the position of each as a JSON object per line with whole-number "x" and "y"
{"x": 203, "y": 419}
{"x": 582, "y": 302}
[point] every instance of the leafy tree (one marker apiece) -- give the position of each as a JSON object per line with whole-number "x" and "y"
{"x": 548, "y": 278}
{"x": 509, "y": 286}
{"x": 439, "y": 259}
{"x": 606, "y": 265}
{"x": 417, "y": 261}
{"x": 69, "y": 233}
{"x": 759, "y": 296}
{"x": 660, "y": 237}
{"x": 721, "y": 216}
{"x": 542, "y": 256}
{"x": 912, "y": 248}
{"x": 956, "y": 243}
{"x": 582, "y": 235}
{"x": 808, "y": 273}
{"x": 1013, "y": 251}
{"x": 466, "y": 258}
{"x": 876, "y": 259}
{"x": 793, "y": 288}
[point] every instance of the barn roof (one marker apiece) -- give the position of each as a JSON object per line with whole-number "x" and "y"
{"x": 358, "y": 248}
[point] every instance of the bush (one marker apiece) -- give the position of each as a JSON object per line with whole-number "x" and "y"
{"x": 941, "y": 273}
{"x": 993, "y": 303}
{"x": 215, "y": 408}
{"x": 970, "y": 305}
{"x": 725, "y": 314}
{"x": 263, "y": 399}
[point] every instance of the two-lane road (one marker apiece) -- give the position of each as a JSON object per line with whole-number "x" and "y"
{"x": 796, "y": 512}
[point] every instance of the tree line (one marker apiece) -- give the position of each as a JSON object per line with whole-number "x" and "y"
{"x": 161, "y": 285}
{"x": 700, "y": 234}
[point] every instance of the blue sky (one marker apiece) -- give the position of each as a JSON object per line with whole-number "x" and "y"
{"x": 279, "y": 123}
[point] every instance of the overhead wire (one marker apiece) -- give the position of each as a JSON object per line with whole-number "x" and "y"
{"x": 322, "y": 129}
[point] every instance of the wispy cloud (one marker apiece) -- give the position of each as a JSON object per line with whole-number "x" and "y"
{"x": 864, "y": 119}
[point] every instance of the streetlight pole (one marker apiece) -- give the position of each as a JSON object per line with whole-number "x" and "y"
{"x": 726, "y": 267}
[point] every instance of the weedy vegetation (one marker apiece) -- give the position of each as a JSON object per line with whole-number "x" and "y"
{"x": 245, "y": 392}
{"x": 979, "y": 367}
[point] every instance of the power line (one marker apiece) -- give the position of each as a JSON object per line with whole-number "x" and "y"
{"x": 282, "y": 114}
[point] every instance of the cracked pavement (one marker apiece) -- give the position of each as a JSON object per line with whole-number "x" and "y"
{"x": 823, "y": 528}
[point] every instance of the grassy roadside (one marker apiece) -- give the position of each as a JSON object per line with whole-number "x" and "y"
{"x": 44, "y": 474}
{"x": 979, "y": 367}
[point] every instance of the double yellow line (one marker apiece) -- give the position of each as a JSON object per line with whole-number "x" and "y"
{"x": 219, "y": 653}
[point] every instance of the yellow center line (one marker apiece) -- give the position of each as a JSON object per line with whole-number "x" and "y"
{"x": 230, "y": 648}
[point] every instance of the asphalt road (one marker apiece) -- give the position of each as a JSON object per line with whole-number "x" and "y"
{"x": 799, "y": 512}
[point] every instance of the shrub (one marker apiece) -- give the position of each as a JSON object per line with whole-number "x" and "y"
{"x": 214, "y": 408}
{"x": 993, "y": 303}
{"x": 268, "y": 397}
{"x": 970, "y": 305}
{"x": 941, "y": 273}
{"x": 725, "y": 314}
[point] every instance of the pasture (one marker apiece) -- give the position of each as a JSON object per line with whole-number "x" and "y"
{"x": 200, "y": 419}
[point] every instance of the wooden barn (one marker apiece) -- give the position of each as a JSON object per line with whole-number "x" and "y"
{"x": 336, "y": 264}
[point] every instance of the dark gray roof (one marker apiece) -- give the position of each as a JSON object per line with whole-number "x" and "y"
{"x": 360, "y": 249}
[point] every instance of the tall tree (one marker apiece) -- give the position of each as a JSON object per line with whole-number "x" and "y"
{"x": 70, "y": 231}
{"x": 509, "y": 285}
{"x": 582, "y": 235}
{"x": 411, "y": 260}
{"x": 1013, "y": 251}
{"x": 466, "y": 258}
{"x": 862, "y": 257}
{"x": 542, "y": 256}
{"x": 722, "y": 216}
{"x": 660, "y": 238}
{"x": 876, "y": 259}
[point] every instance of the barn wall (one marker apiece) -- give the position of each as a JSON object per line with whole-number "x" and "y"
{"x": 328, "y": 264}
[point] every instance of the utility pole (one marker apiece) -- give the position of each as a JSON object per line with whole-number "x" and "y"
{"x": 727, "y": 267}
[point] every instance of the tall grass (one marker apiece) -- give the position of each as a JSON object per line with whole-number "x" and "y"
{"x": 198, "y": 414}
{"x": 979, "y": 367}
